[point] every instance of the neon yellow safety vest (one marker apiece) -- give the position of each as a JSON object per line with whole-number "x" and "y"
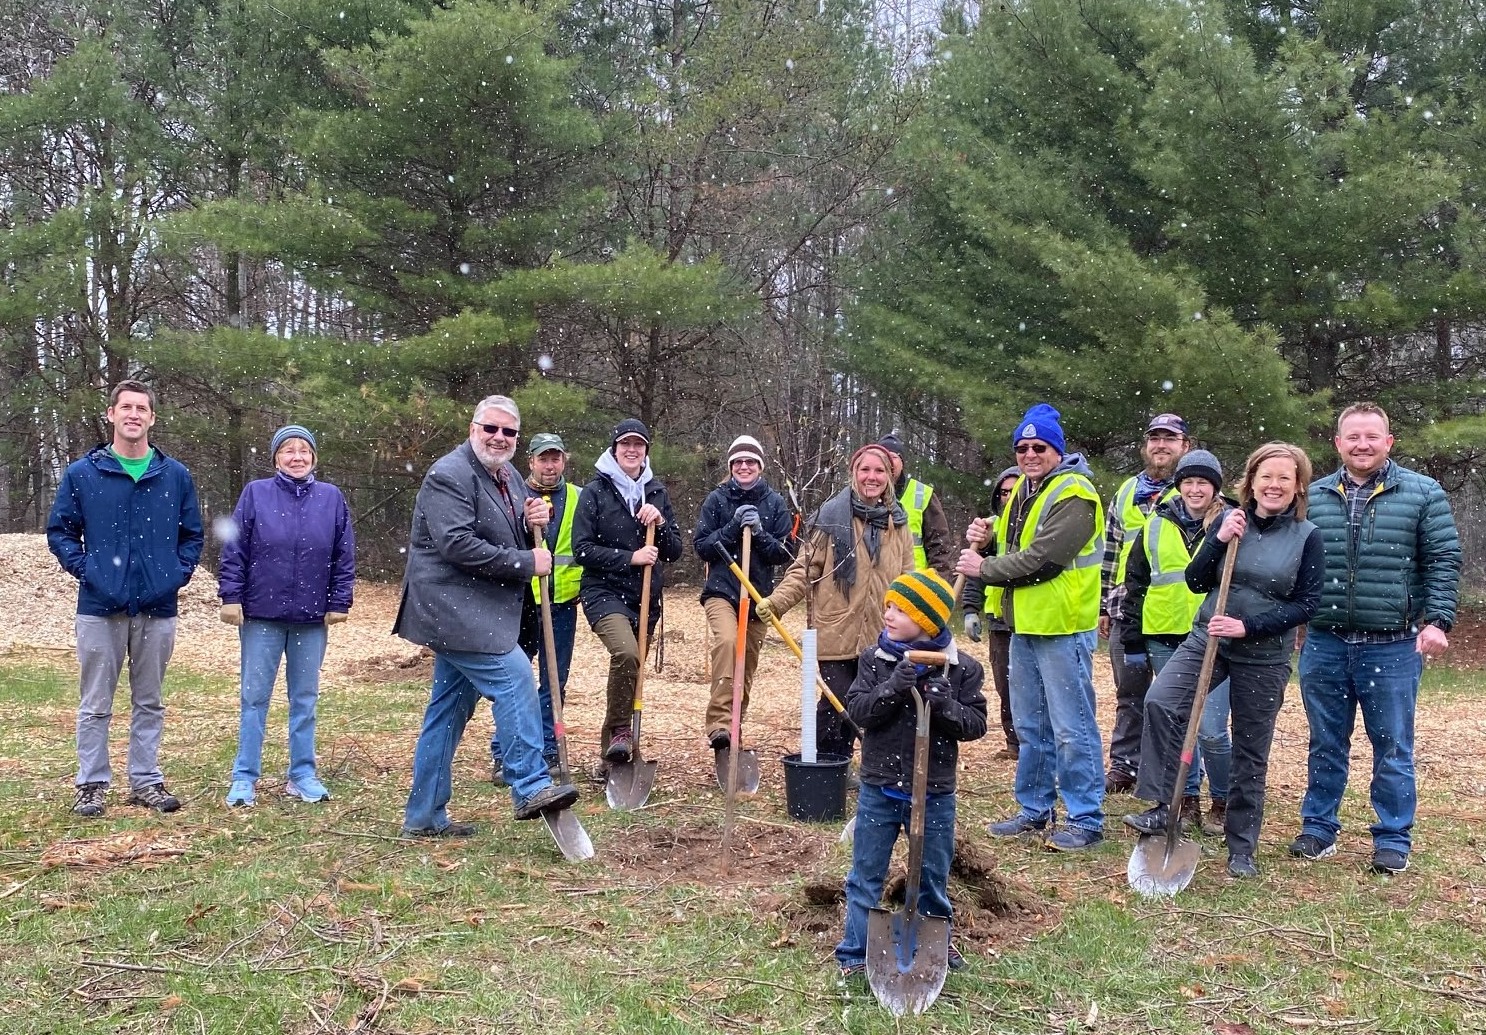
{"x": 1133, "y": 519}
{"x": 995, "y": 594}
{"x": 1069, "y": 602}
{"x": 1170, "y": 607}
{"x": 565, "y": 573}
{"x": 914, "y": 501}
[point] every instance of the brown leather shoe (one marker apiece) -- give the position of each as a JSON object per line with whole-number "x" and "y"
{"x": 1216, "y": 818}
{"x": 1117, "y": 782}
{"x": 1191, "y": 814}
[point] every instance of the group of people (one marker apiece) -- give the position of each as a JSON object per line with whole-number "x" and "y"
{"x": 1367, "y": 558}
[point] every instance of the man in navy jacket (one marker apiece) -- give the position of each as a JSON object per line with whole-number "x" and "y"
{"x": 126, "y": 525}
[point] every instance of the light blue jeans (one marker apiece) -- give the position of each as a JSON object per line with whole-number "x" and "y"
{"x": 460, "y": 679}
{"x": 302, "y": 649}
{"x": 1214, "y": 752}
{"x": 1052, "y": 705}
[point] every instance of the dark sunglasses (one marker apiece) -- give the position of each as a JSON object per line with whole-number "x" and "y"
{"x": 496, "y": 429}
{"x": 1031, "y": 447}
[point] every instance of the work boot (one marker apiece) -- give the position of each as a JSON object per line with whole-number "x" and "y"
{"x": 1191, "y": 814}
{"x": 1216, "y": 818}
{"x": 621, "y": 746}
{"x": 1118, "y": 782}
{"x": 720, "y": 740}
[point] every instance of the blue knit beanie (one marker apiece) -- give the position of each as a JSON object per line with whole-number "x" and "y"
{"x": 1041, "y": 422}
{"x": 287, "y": 432}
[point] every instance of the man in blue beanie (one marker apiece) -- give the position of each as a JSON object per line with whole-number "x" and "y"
{"x": 1049, "y": 541}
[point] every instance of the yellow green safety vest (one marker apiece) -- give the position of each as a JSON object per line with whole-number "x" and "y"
{"x": 565, "y": 573}
{"x": 995, "y": 594}
{"x": 1069, "y": 602}
{"x": 914, "y": 501}
{"x": 1133, "y": 519}
{"x": 1170, "y": 607}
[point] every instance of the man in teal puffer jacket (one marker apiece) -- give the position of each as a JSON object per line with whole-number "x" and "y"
{"x": 1392, "y": 579}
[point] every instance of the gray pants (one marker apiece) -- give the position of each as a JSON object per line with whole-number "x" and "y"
{"x": 1131, "y": 685}
{"x": 102, "y": 645}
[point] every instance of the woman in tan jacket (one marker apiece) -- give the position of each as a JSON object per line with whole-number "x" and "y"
{"x": 857, "y": 543}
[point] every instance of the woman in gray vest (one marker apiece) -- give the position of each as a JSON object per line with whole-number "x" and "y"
{"x": 1276, "y": 587}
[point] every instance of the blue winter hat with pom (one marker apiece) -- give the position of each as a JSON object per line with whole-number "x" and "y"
{"x": 1041, "y": 423}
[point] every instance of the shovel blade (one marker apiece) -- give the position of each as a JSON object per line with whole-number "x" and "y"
{"x": 1156, "y": 872}
{"x": 748, "y": 771}
{"x": 848, "y": 832}
{"x": 906, "y": 962}
{"x": 629, "y": 784}
{"x": 572, "y": 840}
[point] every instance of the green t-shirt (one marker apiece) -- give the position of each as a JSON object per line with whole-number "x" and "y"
{"x": 134, "y": 468}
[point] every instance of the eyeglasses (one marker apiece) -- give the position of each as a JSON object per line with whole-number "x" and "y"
{"x": 746, "y": 461}
{"x": 497, "y": 429}
{"x": 1030, "y": 447}
{"x": 1006, "y": 491}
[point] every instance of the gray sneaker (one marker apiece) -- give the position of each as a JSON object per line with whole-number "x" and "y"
{"x": 91, "y": 800}
{"x": 155, "y": 796}
{"x": 1309, "y": 846}
{"x": 551, "y": 798}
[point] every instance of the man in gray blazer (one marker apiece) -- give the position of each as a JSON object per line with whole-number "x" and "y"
{"x": 470, "y": 560}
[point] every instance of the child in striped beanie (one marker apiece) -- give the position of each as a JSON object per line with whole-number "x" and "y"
{"x": 915, "y": 616}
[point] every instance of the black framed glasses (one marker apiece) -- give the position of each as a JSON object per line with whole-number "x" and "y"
{"x": 499, "y": 429}
{"x": 1030, "y": 447}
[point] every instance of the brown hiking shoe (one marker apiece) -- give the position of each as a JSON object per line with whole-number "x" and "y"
{"x": 1216, "y": 818}
{"x": 1117, "y": 782}
{"x": 91, "y": 800}
{"x": 155, "y": 796}
{"x": 1191, "y": 814}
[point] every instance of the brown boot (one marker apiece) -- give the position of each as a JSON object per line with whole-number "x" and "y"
{"x": 1191, "y": 814}
{"x": 1216, "y": 818}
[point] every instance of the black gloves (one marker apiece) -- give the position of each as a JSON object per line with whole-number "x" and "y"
{"x": 746, "y": 516}
{"x": 938, "y": 693}
{"x": 904, "y": 675}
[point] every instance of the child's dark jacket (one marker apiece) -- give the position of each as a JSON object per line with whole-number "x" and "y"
{"x": 888, "y": 720}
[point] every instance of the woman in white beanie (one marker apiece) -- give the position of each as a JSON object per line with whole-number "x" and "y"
{"x": 745, "y": 500}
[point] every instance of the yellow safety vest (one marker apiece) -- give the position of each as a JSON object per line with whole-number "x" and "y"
{"x": 994, "y": 595}
{"x": 1133, "y": 519}
{"x": 565, "y": 573}
{"x": 1170, "y": 607}
{"x": 1069, "y": 602}
{"x": 914, "y": 501}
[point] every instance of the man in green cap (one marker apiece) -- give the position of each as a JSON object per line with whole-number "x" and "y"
{"x": 546, "y": 465}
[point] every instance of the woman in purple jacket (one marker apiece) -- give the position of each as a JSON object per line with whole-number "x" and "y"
{"x": 285, "y": 577}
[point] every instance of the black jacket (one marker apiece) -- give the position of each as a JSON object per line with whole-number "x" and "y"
{"x": 888, "y": 721}
{"x": 605, "y": 535}
{"x": 718, "y": 537}
{"x": 1138, "y": 574}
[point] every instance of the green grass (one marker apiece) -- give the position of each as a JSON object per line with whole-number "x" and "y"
{"x": 292, "y": 918}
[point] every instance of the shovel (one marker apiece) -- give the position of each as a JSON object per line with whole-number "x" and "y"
{"x": 737, "y": 769}
{"x": 572, "y": 840}
{"x": 1162, "y": 865}
{"x": 908, "y": 954}
{"x": 629, "y": 783}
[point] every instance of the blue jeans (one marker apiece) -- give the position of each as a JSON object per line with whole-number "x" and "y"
{"x": 1052, "y": 705}
{"x": 460, "y": 678}
{"x": 302, "y": 648}
{"x": 879, "y": 818}
{"x": 564, "y": 631}
{"x": 1214, "y": 747}
{"x": 1383, "y": 679}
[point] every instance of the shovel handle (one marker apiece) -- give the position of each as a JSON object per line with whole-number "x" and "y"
{"x": 790, "y": 642}
{"x": 644, "y": 642}
{"x": 932, "y": 658}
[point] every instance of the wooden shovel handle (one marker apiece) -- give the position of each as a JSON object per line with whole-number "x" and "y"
{"x": 927, "y": 657}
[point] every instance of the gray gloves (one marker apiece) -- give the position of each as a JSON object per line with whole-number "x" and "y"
{"x": 747, "y": 517}
{"x": 904, "y": 675}
{"x": 972, "y": 626}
